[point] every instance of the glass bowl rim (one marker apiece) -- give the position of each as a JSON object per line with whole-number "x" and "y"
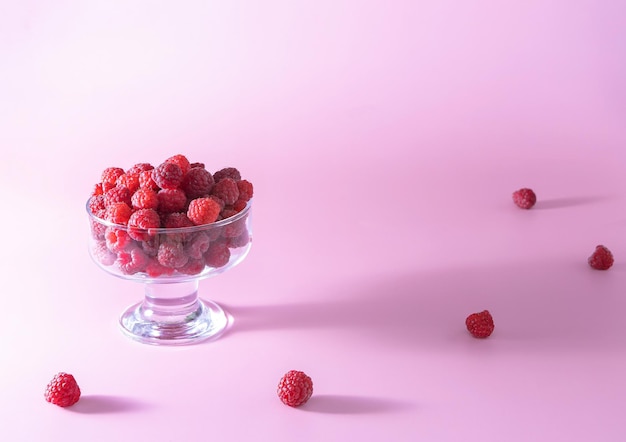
{"x": 169, "y": 230}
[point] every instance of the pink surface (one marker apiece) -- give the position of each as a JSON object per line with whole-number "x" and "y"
{"x": 384, "y": 140}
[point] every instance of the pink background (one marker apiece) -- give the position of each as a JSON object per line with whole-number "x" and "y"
{"x": 384, "y": 139}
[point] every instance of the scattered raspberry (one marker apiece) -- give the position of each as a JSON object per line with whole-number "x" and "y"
{"x": 167, "y": 175}
{"x": 142, "y": 220}
{"x": 172, "y": 255}
{"x": 117, "y": 194}
{"x": 197, "y": 183}
{"x": 144, "y": 198}
{"x": 203, "y": 211}
{"x": 118, "y": 213}
{"x": 601, "y": 258}
{"x": 181, "y": 161}
{"x": 171, "y": 200}
{"x": 217, "y": 255}
{"x": 524, "y": 198}
{"x": 227, "y": 172}
{"x": 246, "y": 190}
{"x": 480, "y": 325}
{"x": 62, "y": 390}
{"x": 110, "y": 176}
{"x": 295, "y": 388}
{"x": 226, "y": 189}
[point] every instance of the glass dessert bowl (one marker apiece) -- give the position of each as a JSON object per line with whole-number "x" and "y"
{"x": 170, "y": 262}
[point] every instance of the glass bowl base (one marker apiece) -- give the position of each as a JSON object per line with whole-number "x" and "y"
{"x": 205, "y": 321}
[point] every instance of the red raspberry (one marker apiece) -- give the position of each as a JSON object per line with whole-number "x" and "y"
{"x": 96, "y": 204}
{"x": 97, "y": 190}
{"x": 524, "y": 198}
{"x": 246, "y": 190}
{"x": 601, "y": 259}
{"x": 227, "y": 172}
{"x": 198, "y": 245}
{"x": 102, "y": 254}
{"x": 197, "y": 183}
{"x": 110, "y": 176}
{"x": 117, "y": 194}
{"x": 97, "y": 228}
{"x": 171, "y": 200}
{"x": 226, "y": 189}
{"x": 145, "y": 180}
{"x": 117, "y": 239}
{"x": 62, "y": 390}
{"x": 132, "y": 261}
{"x": 167, "y": 175}
{"x": 144, "y": 198}
{"x": 139, "y": 167}
{"x": 142, "y": 220}
{"x": 194, "y": 165}
{"x": 193, "y": 267}
{"x": 239, "y": 241}
{"x": 172, "y": 255}
{"x": 480, "y": 325}
{"x": 155, "y": 269}
{"x": 130, "y": 181}
{"x": 181, "y": 161}
{"x": 295, "y": 388}
{"x": 203, "y": 211}
{"x": 239, "y": 205}
{"x": 217, "y": 255}
{"x": 118, "y": 213}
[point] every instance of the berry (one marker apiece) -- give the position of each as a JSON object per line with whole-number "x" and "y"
{"x": 154, "y": 269}
{"x": 480, "y": 325}
{"x": 139, "y": 167}
{"x": 117, "y": 194}
{"x": 226, "y": 189}
{"x": 118, "y": 213}
{"x": 171, "y": 200}
{"x": 117, "y": 239}
{"x": 97, "y": 190}
{"x": 217, "y": 255}
{"x": 171, "y": 254}
{"x": 142, "y": 220}
{"x": 193, "y": 267}
{"x": 601, "y": 258}
{"x": 227, "y": 172}
{"x": 181, "y": 161}
{"x": 295, "y": 388}
{"x": 130, "y": 181}
{"x": 144, "y": 198}
{"x": 197, "y": 183}
{"x": 145, "y": 180}
{"x": 246, "y": 190}
{"x": 524, "y": 198}
{"x": 203, "y": 211}
{"x": 167, "y": 175}
{"x": 102, "y": 254}
{"x": 198, "y": 245}
{"x": 62, "y": 390}
{"x": 96, "y": 204}
{"x": 239, "y": 241}
{"x": 110, "y": 176}
{"x": 132, "y": 261}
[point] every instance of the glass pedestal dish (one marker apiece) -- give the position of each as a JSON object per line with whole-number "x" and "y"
{"x": 170, "y": 262}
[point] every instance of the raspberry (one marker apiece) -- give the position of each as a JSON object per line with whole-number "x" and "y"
{"x": 239, "y": 241}
{"x": 227, "y": 172}
{"x": 139, "y": 167}
{"x": 172, "y": 255}
{"x": 102, "y": 254}
{"x": 226, "y": 189}
{"x": 203, "y": 211}
{"x": 130, "y": 181}
{"x": 194, "y": 165}
{"x": 480, "y": 325}
{"x": 524, "y": 198}
{"x": 181, "y": 161}
{"x": 96, "y": 204}
{"x": 118, "y": 213}
{"x": 176, "y": 220}
{"x": 117, "y": 239}
{"x": 239, "y": 205}
{"x": 145, "y": 180}
{"x": 144, "y": 198}
{"x": 197, "y": 183}
{"x": 142, "y": 220}
{"x": 97, "y": 228}
{"x": 167, "y": 175}
{"x": 198, "y": 245}
{"x": 193, "y": 267}
{"x": 132, "y": 261}
{"x": 246, "y": 190}
{"x": 601, "y": 258}
{"x": 155, "y": 269}
{"x": 117, "y": 194}
{"x": 110, "y": 176}
{"x": 97, "y": 190}
{"x": 62, "y": 390}
{"x": 171, "y": 200}
{"x": 217, "y": 255}
{"x": 295, "y": 388}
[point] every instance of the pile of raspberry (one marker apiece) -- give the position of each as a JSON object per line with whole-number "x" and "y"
{"x": 175, "y": 194}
